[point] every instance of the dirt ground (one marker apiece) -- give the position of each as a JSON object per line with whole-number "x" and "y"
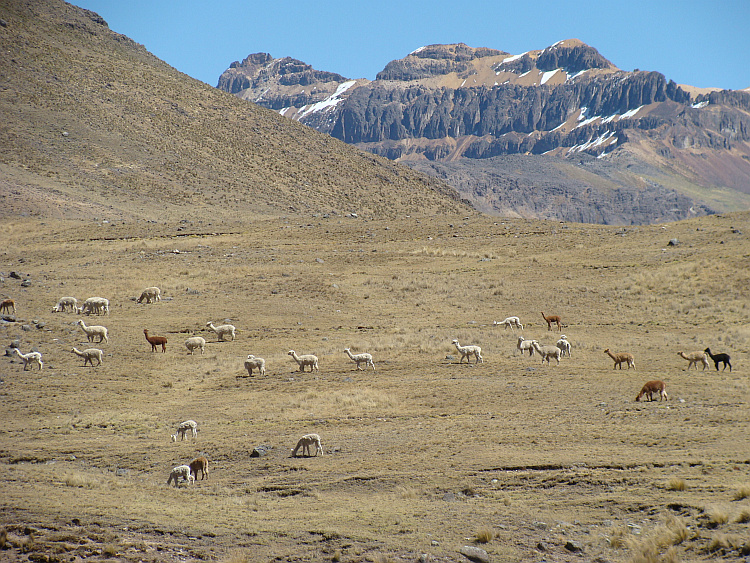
{"x": 425, "y": 456}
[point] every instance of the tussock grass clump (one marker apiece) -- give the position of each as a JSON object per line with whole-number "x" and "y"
{"x": 676, "y": 484}
{"x": 81, "y": 480}
{"x": 743, "y": 517}
{"x": 238, "y": 556}
{"x": 484, "y": 535}
{"x": 716, "y": 516}
{"x": 742, "y": 493}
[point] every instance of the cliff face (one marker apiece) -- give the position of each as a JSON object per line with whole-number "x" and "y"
{"x": 455, "y": 103}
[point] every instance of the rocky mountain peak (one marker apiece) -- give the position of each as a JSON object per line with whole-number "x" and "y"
{"x": 435, "y": 60}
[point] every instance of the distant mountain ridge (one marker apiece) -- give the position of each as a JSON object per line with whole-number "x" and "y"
{"x": 458, "y": 104}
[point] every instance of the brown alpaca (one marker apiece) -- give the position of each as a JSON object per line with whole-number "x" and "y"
{"x": 619, "y": 359}
{"x": 199, "y": 464}
{"x": 156, "y": 341}
{"x": 552, "y": 319}
{"x": 8, "y": 305}
{"x": 652, "y": 387}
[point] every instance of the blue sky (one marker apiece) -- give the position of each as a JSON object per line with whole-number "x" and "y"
{"x": 704, "y": 44}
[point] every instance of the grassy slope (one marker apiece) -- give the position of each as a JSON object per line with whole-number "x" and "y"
{"x": 423, "y": 450}
{"x": 103, "y": 127}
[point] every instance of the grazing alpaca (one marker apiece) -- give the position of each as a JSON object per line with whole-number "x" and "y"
{"x": 305, "y": 442}
{"x": 652, "y": 387}
{"x": 512, "y": 322}
{"x": 181, "y": 471}
{"x": 255, "y": 363}
{"x": 183, "y": 428}
{"x": 363, "y": 358}
{"x": 8, "y": 305}
{"x": 305, "y": 360}
{"x": 552, "y": 319}
{"x": 694, "y": 357}
{"x": 64, "y": 303}
{"x": 88, "y": 355}
{"x": 156, "y": 341}
{"x": 547, "y": 352}
{"x": 195, "y": 342}
{"x": 199, "y": 464}
{"x": 717, "y": 358}
{"x": 222, "y": 330}
{"x": 468, "y": 351}
{"x": 624, "y": 357}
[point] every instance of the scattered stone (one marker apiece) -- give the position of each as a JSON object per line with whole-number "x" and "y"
{"x": 540, "y": 525}
{"x": 449, "y": 497}
{"x": 450, "y": 357}
{"x": 543, "y": 546}
{"x": 27, "y": 328}
{"x": 121, "y": 472}
{"x": 259, "y": 451}
{"x": 26, "y": 283}
{"x": 319, "y": 260}
{"x": 673, "y": 242}
{"x": 475, "y": 554}
{"x": 573, "y": 546}
{"x": 14, "y": 275}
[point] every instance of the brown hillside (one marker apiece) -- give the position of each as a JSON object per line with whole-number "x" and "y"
{"x": 93, "y": 124}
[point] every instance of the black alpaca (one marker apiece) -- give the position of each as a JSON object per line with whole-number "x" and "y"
{"x": 719, "y": 358}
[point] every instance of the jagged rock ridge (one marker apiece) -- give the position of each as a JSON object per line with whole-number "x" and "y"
{"x": 454, "y": 102}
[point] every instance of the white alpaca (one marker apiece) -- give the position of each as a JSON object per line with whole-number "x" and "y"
{"x": 305, "y": 442}
{"x": 195, "y": 342}
{"x": 150, "y": 294}
{"x": 30, "y": 358}
{"x": 65, "y": 302}
{"x": 468, "y": 351}
{"x": 694, "y": 357}
{"x": 305, "y": 360}
{"x": 252, "y": 363}
{"x": 89, "y": 355}
{"x": 363, "y": 358}
{"x": 547, "y": 352}
{"x": 525, "y": 345}
{"x": 222, "y": 330}
{"x": 97, "y": 305}
{"x": 512, "y": 322}
{"x": 93, "y": 331}
{"x": 564, "y": 345}
{"x": 183, "y": 428}
{"x": 181, "y": 472}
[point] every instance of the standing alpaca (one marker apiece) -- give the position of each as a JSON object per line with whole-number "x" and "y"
{"x": 624, "y": 357}
{"x": 199, "y": 464}
{"x": 363, "y": 358}
{"x": 652, "y": 387}
{"x": 8, "y": 305}
{"x": 694, "y": 357}
{"x": 552, "y": 319}
{"x": 718, "y": 358}
{"x": 468, "y": 351}
{"x": 305, "y": 360}
{"x": 156, "y": 341}
{"x": 93, "y": 331}
{"x": 89, "y": 355}
{"x": 305, "y": 442}
{"x": 28, "y": 359}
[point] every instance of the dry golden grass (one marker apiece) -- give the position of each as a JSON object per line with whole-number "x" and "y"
{"x": 423, "y": 449}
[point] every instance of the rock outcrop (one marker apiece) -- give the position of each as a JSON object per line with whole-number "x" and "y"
{"x": 457, "y": 104}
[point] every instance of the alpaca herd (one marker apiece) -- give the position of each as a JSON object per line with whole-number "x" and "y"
{"x": 227, "y": 332}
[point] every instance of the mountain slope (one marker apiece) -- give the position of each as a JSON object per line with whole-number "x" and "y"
{"x": 458, "y": 104}
{"x": 94, "y": 125}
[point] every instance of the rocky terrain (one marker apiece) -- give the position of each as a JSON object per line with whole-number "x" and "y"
{"x": 458, "y": 104}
